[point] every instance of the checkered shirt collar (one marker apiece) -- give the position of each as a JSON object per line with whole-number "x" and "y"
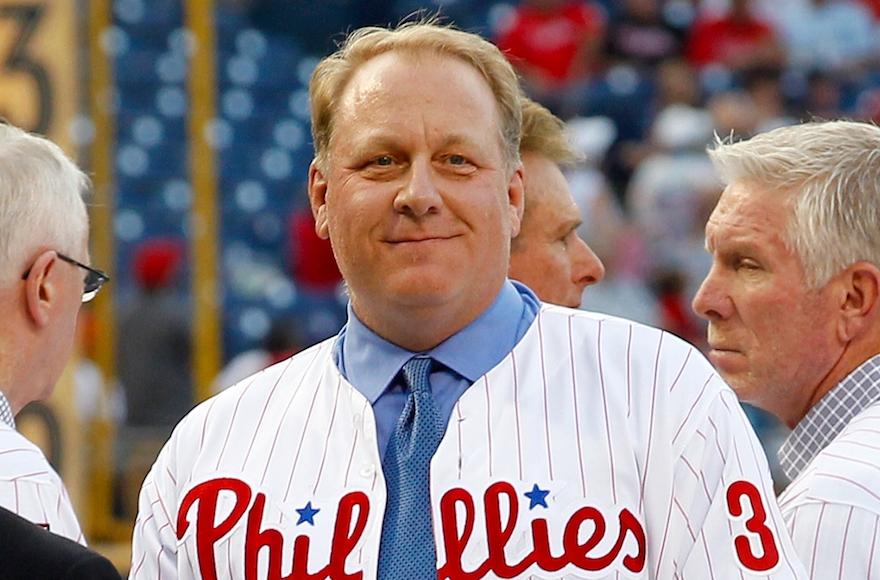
{"x": 829, "y": 416}
{"x": 6, "y": 414}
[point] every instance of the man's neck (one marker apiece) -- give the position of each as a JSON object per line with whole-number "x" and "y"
{"x": 419, "y": 328}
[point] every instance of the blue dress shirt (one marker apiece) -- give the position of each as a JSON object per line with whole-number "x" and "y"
{"x": 372, "y": 364}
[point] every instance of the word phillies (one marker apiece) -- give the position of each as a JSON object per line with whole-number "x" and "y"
{"x": 458, "y": 518}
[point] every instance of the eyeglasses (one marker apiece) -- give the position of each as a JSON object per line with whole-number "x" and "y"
{"x": 91, "y": 284}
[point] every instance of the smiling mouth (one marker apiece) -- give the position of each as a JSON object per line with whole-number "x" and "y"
{"x": 419, "y": 240}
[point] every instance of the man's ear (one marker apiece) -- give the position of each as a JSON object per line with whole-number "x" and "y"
{"x": 318, "y": 199}
{"x": 42, "y": 287}
{"x": 860, "y": 289}
{"x": 516, "y": 198}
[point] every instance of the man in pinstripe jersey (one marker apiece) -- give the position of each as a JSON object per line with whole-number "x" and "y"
{"x": 44, "y": 279}
{"x": 793, "y": 304}
{"x": 572, "y": 445}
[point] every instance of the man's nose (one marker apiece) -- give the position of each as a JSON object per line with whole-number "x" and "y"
{"x": 712, "y": 300}
{"x": 587, "y": 268}
{"x": 419, "y": 195}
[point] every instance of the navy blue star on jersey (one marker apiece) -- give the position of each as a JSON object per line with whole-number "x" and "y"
{"x": 307, "y": 514}
{"x": 537, "y": 497}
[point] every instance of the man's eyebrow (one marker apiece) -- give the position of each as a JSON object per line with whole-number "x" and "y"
{"x": 567, "y": 225}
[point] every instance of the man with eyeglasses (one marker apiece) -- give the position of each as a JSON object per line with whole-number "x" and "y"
{"x": 44, "y": 279}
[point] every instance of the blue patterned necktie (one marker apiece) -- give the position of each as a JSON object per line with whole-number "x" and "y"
{"x": 407, "y": 550}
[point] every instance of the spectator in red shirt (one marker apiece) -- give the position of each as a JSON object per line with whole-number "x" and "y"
{"x": 737, "y": 40}
{"x": 555, "y": 45}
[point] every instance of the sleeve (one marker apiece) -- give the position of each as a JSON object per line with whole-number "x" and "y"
{"x": 725, "y": 522}
{"x": 30, "y": 488}
{"x": 847, "y": 536}
{"x": 154, "y": 542}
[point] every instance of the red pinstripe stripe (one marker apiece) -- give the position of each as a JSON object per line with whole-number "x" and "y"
{"x": 708, "y": 559}
{"x": 576, "y": 406}
{"x": 546, "y": 400}
{"x": 519, "y": 445}
{"x": 699, "y": 476}
{"x": 873, "y": 543}
{"x": 629, "y": 390}
{"x": 290, "y": 400}
{"x": 458, "y": 429}
{"x": 605, "y": 410}
{"x": 228, "y": 432}
{"x": 329, "y": 431}
{"x": 651, "y": 420}
{"x": 687, "y": 522}
{"x": 851, "y": 459}
{"x": 845, "y": 534}
{"x": 717, "y": 444}
{"x": 816, "y": 539}
{"x": 24, "y": 450}
{"x": 687, "y": 417}
{"x": 681, "y": 370}
{"x": 140, "y": 564}
{"x": 302, "y": 436}
{"x": 28, "y": 475}
{"x": 271, "y": 394}
{"x": 661, "y": 555}
{"x": 487, "y": 390}
{"x": 210, "y": 406}
{"x": 851, "y": 481}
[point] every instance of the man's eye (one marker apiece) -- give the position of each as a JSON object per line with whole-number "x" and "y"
{"x": 457, "y": 160}
{"x": 746, "y": 264}
{"x": 384, "y": 160}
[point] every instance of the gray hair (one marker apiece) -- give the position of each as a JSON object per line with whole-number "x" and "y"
{"x": 832, "y": 171}
{"x": 41, "y": 199}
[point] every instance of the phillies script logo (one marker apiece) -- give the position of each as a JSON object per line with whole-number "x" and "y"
{"x": 577, "y": 551}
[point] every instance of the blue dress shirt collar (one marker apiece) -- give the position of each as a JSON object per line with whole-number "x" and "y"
{"x": 370, "y": 362}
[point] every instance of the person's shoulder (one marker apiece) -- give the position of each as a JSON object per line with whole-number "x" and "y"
{"x": 590, "y": 322}
{"x": 22, "y": 459}
{"x": 847, "y": 471}
{"x": 645, "y": 349}
{"x": 277, "y": 380}
{"x": 29, "y": 551}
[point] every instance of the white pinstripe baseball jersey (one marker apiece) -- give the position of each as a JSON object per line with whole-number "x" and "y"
{"x": 832, "y": 509}
{"x": 598, "y": 448}
{"x": 32, "y": 489}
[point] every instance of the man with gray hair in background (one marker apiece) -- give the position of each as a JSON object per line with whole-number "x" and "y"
{"x": 793, "y": 304}
{"x": 44, "y": 279}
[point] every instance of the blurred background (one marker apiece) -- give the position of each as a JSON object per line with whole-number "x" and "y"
{"x": 192, "y": 118}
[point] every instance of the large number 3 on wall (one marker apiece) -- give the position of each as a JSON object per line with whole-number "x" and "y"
{"x": 20, "y": 61}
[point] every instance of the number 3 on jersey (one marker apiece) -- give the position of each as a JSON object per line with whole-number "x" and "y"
{"x": 741, "y": 492}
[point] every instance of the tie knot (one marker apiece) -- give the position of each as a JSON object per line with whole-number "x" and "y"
{"x": 416, "y": 373}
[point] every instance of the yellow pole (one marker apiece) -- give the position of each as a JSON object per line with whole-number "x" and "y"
{"x": 101, "y": 82}
{"x": 203, "y": 218}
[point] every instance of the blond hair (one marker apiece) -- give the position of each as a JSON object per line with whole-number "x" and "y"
{"x": 334, "y": 72}
{"x": 543, "y": 133}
